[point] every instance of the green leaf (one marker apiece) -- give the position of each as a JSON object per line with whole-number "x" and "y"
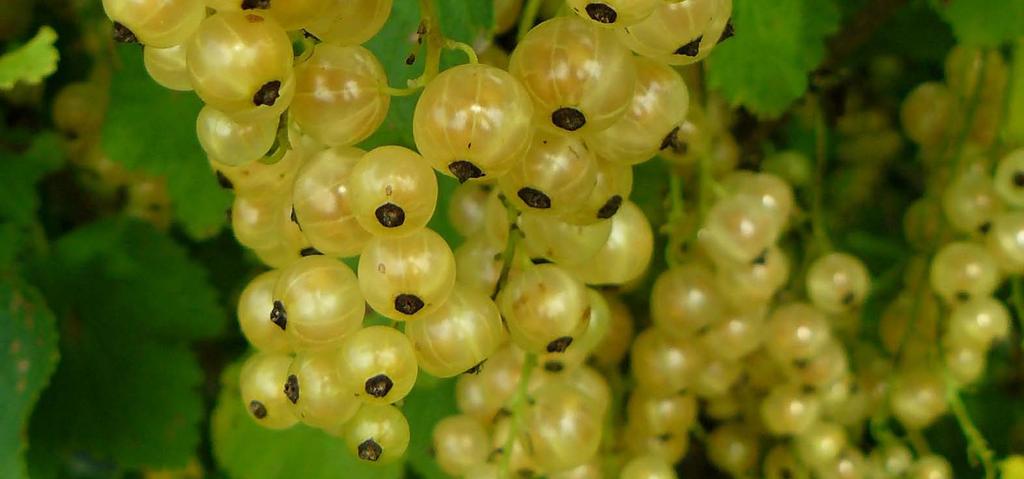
{"x": 983, "y": 23}
{"x": 430, "y": 401}
{"x": 1014, "y": 127}
{"x": 28, "y": 341}
{"x": 21, "y": 172}
{"x": 466, "y": 21}
{"x": 246, "y": 450}
{"x": 152, "y": 129}
{"x": 129, "y": 302}
{"x": 765, "y": 66}
{"x": 31, "y": 62}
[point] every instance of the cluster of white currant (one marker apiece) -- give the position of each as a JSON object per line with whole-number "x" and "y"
{"x": 967, "y": 228}
{"x": 546, "y": 146}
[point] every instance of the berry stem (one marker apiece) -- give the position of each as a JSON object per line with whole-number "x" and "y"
{"x": 430, "y": 32}
{"x": 527, "y": 18}
{"x": 282, "y": 144}
{"x": 518, "y": 405}
{"x": 820, "y": 232}
{"x": 1017, "y": 298}
{"x": 918, "y": 442}
{"x": 956, "y": 149}
{"x": 977, "y": 447}
{"x": 462, "y": 47}
{"x": 676, "y": 213}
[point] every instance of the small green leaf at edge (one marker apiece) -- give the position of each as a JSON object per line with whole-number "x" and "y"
{"x": 31, "y": 62}
{"x": 983, "y": 23}
{"x": 28, "y": 340}
{"x": 245, "y": 450}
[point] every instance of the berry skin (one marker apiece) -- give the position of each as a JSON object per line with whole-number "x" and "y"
{"x": 648, "y": 467}
{"x": 407, "y": 277}
{"x": 679, "y": 33}
{"x": 320, "y": 300}
{"x": 1009, "y": 178}
{"x": 660, "y": 102}
{"x": 393, "y": 191}
{"x": 554, "y": 62}
{"x": 685, "y": 300}
{"x": 323, "y": 204}
{"x": 563, "y": 243}
{"x": 544, "y": 307}
{"x": 235, "y": 142}
{"x": 626, "y": 254}
{"x": 339, "y": 94}
{"x": 316, "y": 392}
{"x": 663, "y": 365}
{"x": 927, "y": 113}
{"x": 254, "y": 307}
{"x": 564, "y": 429}
{"x": 837, "y": 282}
{"x": 351, "y": 22}
{"x": 241, "y": 64}
{"x": 962, "y": 270}
{"x": 378, "y": 364}
{"x": 461, "y": 334}
{"x": 156, "y": 23}
{"x": 261, "y": 382}
{"x": 473, "y": 121}
{"x": 460, "y": 443}
{"x": 167, "y": 67}
{"x": 378, "y": 433}
{"x": 556, "y": 176}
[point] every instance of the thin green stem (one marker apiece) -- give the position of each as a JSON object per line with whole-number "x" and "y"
{"x": 676, "y": 213}
{"x": 977, "y": 446}
{"x": 820, "y": 232}
{"x": 282, "y": 143}
{"x": 464, "y": 48}
{"x": 526, "y": 19}
{"x": 1017, "y": 300}
{"x": 518, "y": 405}
{"x": 957, "y": 148}
{"x": 431, "y": 34}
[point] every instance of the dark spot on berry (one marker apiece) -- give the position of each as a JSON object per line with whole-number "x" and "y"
{"x": 786, "y": 474}
{"x": 291, "y": 388}
{"x": 409, "y": 60}
{"x": 223, "y": 181}
{"x": 807, "y": 389}
{"x": 253, "y": 18}
{"x": 525, "y": 473}
{"x": 295, "y": 219}
{"x": 761, "y": 259}
{"x": 602, "y": 13}
{"x": 310, "y": 35}
{"x": 503, "y": 412}
{"x": 670, "y": 139}
{"x": 279, "y": 316}
{"x": 985, "y": 227}
{"x": 801, "y": 363}
{"x": 559, "y": 345}
{"x": 369, "y": 450}
{"x": 408, "y": 303}
{"x": 268, "y": 94}
{"x": 258, "y": 410}
{"x": 255, "y": 4}
{"x": 378, "y": 386}
{"x": 227, "y": 214}
{"x": 464, "y": 170}
{"x": 690, "y": 49}
{"x": 963, "y": 296}
{"x": 390, "y": 215}
{"x": 848, "y": 298}
{"x": 534, "y": 198}
{"x": 310, "y": 251}
{"x": 540, "y": 261}
{"x": 728, "y": 32}
{"x": 476, "y": 369}
{"x": 666, "y": 437}
{"x": 123, "y": 35}
{"x": 568, "y": 119}
{"x": 1018, "y": 179}
{"x": 495, "y": 454}
{"x": 554, "y": 366}
{"x": 610, "y": 207}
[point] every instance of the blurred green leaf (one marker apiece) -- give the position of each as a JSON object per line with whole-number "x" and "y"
{"x": 31, "y": 62}
{"x": 983, "y": 23}
{"x": 765, "y": 66}
{"x": 21, "y": 172}
{"x": 246, "y": 450}
{"x": 1014, "y": 127}
{"x": 28, "y": 342}
{"x": 129, "y": 302}
{"x": 152, "y": 129}
{"x": 430, "y": 401}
